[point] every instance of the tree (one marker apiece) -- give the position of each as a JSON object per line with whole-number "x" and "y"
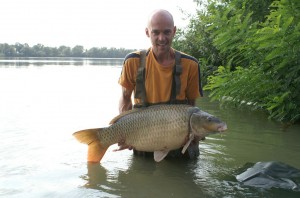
{"x": 249, "y": 49}
{"x": 38, "y": 50}
{"x": 64, "y": 51}
{"x": 7, "y": 50}
{"x": 267, "y": 56}
{"x": 77, "y": 51}
{"x": 26, "y": 51}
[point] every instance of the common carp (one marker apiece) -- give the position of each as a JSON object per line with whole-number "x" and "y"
{"x": 158, "y": 129}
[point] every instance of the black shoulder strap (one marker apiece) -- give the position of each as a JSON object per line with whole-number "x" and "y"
{"x": 178, "y": 71}
{"x": 140, "y": 90}
{"x": 176, "y": 84}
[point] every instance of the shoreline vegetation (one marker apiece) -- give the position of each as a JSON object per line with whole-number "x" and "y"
{"x": 249, "y": 52}
{"x": 39, "y": 50}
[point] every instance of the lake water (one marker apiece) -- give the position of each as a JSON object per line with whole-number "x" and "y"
{"x": 43, "y": 101}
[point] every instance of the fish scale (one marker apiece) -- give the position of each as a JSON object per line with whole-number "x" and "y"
{"x": 152, "y": 125}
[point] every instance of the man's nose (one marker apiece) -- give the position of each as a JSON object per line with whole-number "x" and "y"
{"x": 161, "y": 37}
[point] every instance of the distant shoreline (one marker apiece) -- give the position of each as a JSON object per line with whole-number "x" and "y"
{"x": 39, "y": 50}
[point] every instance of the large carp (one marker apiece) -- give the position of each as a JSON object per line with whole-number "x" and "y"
{"x": 157, "y": 129}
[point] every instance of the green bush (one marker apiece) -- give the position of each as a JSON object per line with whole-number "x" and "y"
{"x": 262, "y": 59}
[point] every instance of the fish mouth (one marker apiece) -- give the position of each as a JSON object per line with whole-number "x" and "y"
{"x": 222, "y": 128}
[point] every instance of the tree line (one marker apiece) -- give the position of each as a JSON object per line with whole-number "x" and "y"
{"x": 249, "y": 53}
{"x": 39, "y": 50}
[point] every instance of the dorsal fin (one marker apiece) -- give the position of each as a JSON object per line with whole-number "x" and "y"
{"x": 115, "y": 119}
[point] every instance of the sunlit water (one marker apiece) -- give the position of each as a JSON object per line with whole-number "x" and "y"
{"x": 43, "y": 102}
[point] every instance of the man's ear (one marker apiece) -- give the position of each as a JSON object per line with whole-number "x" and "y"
{"x": 175, "y": 28}
{"x": 147, "y": 32}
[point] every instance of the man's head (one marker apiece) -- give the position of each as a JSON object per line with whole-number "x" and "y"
{"x": 161, "y": 30}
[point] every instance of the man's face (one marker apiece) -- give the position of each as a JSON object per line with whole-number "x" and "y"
{"x": 161, "y": 32}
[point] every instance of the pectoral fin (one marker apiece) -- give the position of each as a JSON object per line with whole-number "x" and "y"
{"x": 191, "y": 137}
{"x": 160, "y": 155}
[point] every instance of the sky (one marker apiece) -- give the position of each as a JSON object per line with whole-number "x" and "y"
{"x": 90, "y": 23}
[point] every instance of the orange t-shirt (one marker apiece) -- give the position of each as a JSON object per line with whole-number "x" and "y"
{"x": 158, "y": 78}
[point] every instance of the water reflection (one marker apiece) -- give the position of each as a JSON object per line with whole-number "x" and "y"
{"x": 60, "y": 61}
{"x": 145, "y": 177}
{"x": 173, "y": 178}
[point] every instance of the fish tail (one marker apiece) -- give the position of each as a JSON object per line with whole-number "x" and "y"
{"x": 90, "y": 137}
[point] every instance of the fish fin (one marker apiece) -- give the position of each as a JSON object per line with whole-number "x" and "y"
{"x": 95, "y": 152}
{"x": 191, "y": 137}
{"x": 90, "y": 137}
{"x": 87, "y": 136}
{"x": 115, "y": 119}
{"x": 160, "y": 155}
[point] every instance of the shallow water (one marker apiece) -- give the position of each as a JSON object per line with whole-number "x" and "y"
{"x": 43, "y": 101}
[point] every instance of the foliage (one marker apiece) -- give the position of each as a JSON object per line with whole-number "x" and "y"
{"x": 196, "y": 41}
{"x": 39, "y": 50}
{"x": 272, "y": 48}
{"x": 257, "y": 45}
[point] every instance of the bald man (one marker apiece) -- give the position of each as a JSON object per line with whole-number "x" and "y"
{"x": 161, "y": 74}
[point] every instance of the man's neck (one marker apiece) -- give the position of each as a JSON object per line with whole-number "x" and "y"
{"x": 165, "y": 59}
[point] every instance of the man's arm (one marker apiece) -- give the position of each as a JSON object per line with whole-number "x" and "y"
{"x": 125, "y": 102}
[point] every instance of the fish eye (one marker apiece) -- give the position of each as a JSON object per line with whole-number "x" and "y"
{"x": 209, "y": 119}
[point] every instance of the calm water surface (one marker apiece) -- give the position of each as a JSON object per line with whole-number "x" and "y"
{"x": 43, "y": 101}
